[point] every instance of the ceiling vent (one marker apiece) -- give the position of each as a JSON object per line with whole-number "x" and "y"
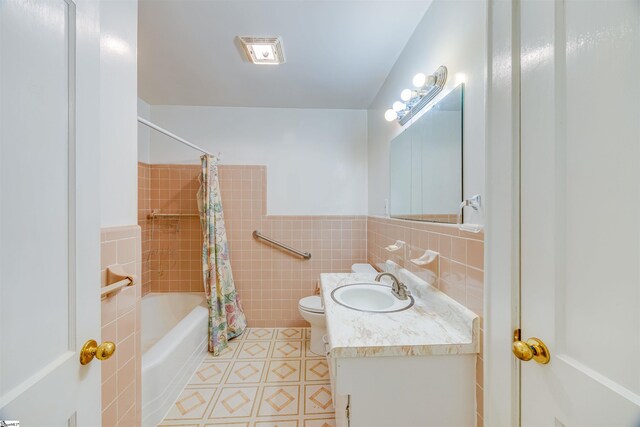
{"x": 263, "y": 50}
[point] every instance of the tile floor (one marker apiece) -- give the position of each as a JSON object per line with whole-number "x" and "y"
{"x": 267, "y": 378}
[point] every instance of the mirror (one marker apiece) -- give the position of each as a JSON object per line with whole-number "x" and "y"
{"x": 426, "y": 164}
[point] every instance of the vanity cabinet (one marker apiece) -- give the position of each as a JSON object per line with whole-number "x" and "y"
{"x": 407, "y": 391}
{"x": 413, "y": 367}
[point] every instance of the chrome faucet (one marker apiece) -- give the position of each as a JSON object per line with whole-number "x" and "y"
{"x": 398, "y": 289}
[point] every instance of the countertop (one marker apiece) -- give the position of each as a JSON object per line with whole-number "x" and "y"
{"x": 435, "y": 325}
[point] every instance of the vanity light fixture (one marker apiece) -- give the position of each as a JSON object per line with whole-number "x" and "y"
{"x": 460, "y": 78}
{"x": 421, "y": 80}
{"x": 390, "y": 115}
{"x": 407, "y": 94}
{"x": 427, "y": 87}
{"x": 399, "y": 106}
{"x": 263, "y": 50}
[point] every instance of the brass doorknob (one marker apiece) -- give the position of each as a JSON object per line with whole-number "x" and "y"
{"x": 91, "y": 349}
{"x": 534, "y": 349}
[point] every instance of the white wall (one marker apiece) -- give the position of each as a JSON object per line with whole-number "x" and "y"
{"x": 118, "y": 110}
{"x": 144, "y": 133}
{"x": 316, "y": 159}
{"x": 452, "y": 33}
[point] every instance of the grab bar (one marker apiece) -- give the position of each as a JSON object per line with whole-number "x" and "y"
{"x": 154, "y": 215}
{"x": 257, "y": 235}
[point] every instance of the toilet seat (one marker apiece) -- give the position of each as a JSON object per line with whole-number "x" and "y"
{"x": 312, "y": 304}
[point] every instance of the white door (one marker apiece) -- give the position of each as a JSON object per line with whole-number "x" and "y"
{"x": 49, "y": 231}
{"x": 580, "y": 211}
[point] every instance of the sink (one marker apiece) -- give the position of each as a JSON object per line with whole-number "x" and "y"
{"x": 369, "y": 297}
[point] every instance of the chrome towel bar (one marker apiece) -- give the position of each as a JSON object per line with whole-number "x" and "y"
{"x": 257, "y": 235}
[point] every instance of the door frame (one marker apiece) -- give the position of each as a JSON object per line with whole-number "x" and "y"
{"x": 87, "y": 193}
{"x": 502, "y": 209}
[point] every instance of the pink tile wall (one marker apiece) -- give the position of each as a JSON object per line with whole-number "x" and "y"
{"x": 121, "y": 374}
{"x": 144, "y": 207}
{"x": 171, "y": 247}
{"x": 461, "y": 265}
{"x": 270, "y": 282}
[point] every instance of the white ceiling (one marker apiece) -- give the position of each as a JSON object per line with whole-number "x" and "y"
{"x": 338, "y": 52}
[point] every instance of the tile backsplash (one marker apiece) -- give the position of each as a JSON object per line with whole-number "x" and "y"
{"x": 461, "y": 255}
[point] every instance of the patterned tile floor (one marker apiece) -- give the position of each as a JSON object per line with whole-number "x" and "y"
{"x": 267, "y": 378}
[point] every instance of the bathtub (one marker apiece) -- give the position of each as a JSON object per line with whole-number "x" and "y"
{"x": 173, "y": 340}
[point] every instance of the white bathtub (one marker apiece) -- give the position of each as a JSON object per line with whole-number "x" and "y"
{"x": 174, "y": 339}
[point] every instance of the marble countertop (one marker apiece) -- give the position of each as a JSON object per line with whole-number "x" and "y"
{"x": 435, "y": 325}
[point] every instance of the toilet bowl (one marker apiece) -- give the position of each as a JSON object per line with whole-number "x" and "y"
{"x": 312, "y": 310}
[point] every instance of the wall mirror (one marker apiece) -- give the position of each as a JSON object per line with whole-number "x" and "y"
{"x": 426, "y": 164}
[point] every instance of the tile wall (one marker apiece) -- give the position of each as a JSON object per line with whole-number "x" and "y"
{"x": 121, "y": 374}
{"x": 270, "y": 282}
{"x": 171, "y": 246}
{"x": 461, "y": 265}
{"x": 144, "y": 208}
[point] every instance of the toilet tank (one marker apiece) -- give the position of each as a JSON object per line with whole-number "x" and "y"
{"x": 363, "y": 268}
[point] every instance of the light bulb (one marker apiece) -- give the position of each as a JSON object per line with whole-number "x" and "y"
{"x": 460, "y": 78}
{"x": 398, "y": 106}
{"x": 419, "y": 79}
{"x": 431, "y": 80}
{"x": 390, "y": 115}
{"x": 406, "y": 95}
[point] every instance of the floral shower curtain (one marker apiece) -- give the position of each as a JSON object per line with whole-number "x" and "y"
{"x": 226, "y": 318}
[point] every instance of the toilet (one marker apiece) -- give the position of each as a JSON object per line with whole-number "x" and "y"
{"x": 312, "y": 310}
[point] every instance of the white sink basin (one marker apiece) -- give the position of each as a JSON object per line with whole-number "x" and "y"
{"x": 370, "y": 297}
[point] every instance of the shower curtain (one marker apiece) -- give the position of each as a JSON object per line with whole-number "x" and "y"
{"x": 226, "y": 318}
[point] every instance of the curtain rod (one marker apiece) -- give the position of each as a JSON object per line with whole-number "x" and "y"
{"x": 174, "y": 136}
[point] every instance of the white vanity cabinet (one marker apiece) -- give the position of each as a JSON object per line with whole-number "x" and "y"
{"x": 415, "y": 367}
{"x": 405, "y": 391}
